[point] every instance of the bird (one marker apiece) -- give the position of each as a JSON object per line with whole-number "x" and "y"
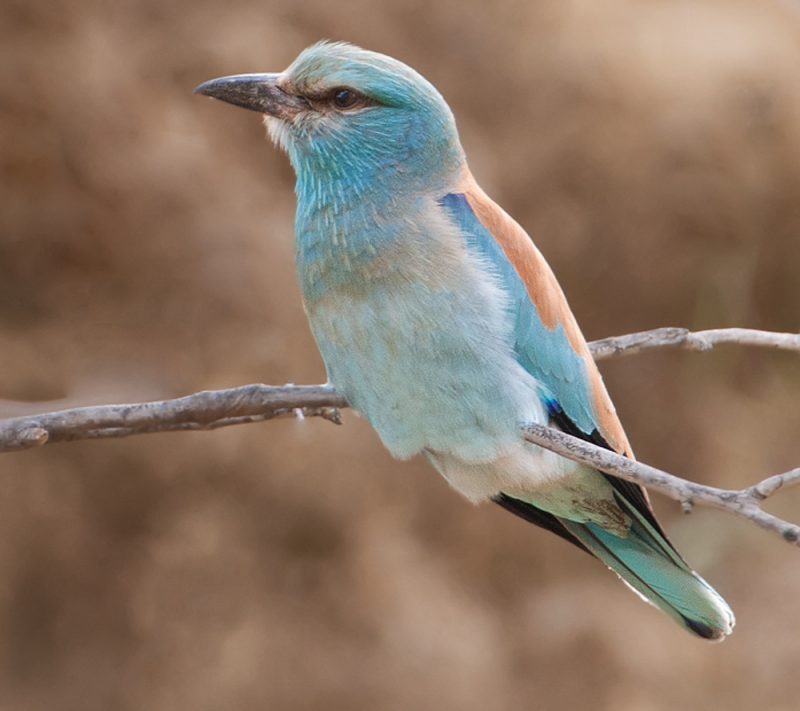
{"x": 439, "y": 320}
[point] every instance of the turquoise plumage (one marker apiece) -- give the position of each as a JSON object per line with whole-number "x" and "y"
{"x": 440, "y": 321}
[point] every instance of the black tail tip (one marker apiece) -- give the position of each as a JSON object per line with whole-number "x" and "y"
{"x": 701, "y": 629}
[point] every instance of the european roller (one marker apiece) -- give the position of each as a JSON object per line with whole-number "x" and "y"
{"x": 439, "y": 320}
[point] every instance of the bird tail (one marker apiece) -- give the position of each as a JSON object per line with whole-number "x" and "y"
{"x": 648, "y": 563}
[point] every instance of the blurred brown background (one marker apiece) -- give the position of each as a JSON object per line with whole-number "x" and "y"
{"x": 653, "y": 149}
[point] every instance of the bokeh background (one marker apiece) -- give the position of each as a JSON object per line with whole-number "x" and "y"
{"x": 652, "y": 148}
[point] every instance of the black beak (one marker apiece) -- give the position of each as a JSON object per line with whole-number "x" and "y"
{"x": 257, "y": 92}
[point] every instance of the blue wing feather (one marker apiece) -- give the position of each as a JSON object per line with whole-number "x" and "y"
{"x": 546, "y": 354}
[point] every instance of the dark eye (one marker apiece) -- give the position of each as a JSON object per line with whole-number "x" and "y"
{"x": 345, "y": 98}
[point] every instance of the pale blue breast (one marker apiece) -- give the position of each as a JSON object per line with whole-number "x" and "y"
{"x": 417, "y": 333}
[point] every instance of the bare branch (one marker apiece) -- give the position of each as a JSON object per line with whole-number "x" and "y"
{"x": 212, "y": 409}
{"x": 205, "y": 410}
{"x": 672, "y": 337}
{"x": 745, "y": 503}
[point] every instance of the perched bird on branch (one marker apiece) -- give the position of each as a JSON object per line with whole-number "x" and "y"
{"x": 440, "y": 321}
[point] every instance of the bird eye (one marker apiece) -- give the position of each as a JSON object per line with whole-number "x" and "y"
{"x": 345, "y": 98}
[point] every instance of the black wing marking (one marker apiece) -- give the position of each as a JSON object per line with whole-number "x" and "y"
{"x": 632, "y": 493}
{"x": 538, "y": 517}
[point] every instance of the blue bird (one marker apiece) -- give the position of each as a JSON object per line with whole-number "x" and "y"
{"x": 440, "y": 321}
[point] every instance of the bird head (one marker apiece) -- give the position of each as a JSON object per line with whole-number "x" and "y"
{"x": 351, "y": 118}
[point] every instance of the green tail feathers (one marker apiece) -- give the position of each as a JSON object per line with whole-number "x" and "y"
{"x": 646, "y": 561}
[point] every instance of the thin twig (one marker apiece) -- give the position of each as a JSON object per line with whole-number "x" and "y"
{"x": 212, "y": 409}
{"x": 745, "y": 503}
{"x": 672, "y": 337}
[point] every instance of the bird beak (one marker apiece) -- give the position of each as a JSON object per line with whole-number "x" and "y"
{"x": 257, "y": 92}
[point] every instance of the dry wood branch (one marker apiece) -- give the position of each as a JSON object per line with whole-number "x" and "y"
{"x": 691, "y": 340}
{"x": 254, "y": 403}
{"x": 745, "y": 503}
{"x": 205, "y": 410}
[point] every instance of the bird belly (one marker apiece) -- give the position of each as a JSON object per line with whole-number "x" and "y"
{"x": 426, "y": 372}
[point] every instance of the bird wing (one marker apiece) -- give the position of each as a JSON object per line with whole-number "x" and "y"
{"x": 549, "y": 342}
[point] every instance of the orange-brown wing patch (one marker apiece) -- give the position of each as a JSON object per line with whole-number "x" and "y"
{"x": 547, "y": 296}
